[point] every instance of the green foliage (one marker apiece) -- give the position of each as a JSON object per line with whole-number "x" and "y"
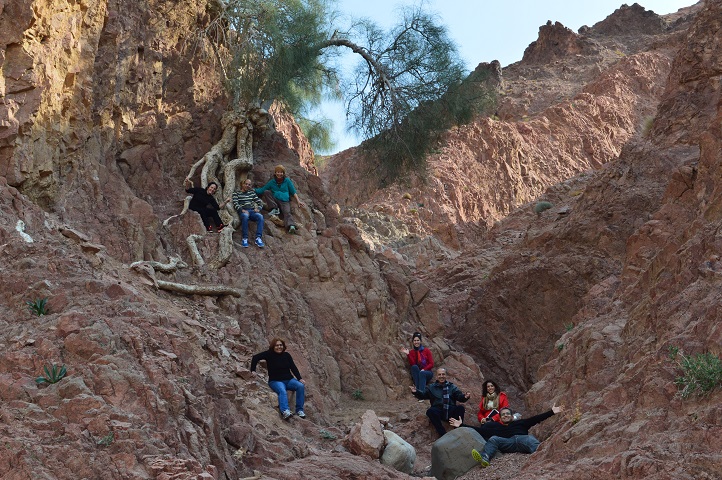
{"x": 560, "y": 347}
{"x": 673, "y": 352}
{"x": 38, "y": 307}
{"x": 107, "y": 440}
{"x": 647, "y": 125}
{"x": 569, "y": 327}
{"x": 326, "y": 435}
{"x": 357, "y": 394}
{"x": 53, "y": 374}
{"x": 701, "y": 373}
{"x": 318, "y": 133}
{"x": 542, "y": 206}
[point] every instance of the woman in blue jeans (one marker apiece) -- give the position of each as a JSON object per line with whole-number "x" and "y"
{"x": 421, "y": 362}
{"x": 281, "y": 373}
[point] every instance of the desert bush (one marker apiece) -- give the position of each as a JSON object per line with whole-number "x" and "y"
{"x": 542, "y": 206}
{"x": 701, "y": 374}
{"x": 53, "y": 374}
{"x": 38, "y": 307}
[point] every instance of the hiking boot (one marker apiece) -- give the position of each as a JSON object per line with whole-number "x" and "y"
{"x": 244, "y": 243}
{"x": 286, "y": 414}
{"x": 292, "y": 229}
{"x": 259, "y": 242}
{"x": 301, "y": 414}
{"x": 275, "y": 211}
{"x": 480, "y": 458}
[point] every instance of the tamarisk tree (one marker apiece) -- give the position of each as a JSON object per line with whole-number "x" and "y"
{"x": 406, "y": 84}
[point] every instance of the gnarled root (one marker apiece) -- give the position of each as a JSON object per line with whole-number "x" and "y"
{"x": 213, "y": 290}
{"x": 195, "y": 254}
{"x": 186, "y": 202}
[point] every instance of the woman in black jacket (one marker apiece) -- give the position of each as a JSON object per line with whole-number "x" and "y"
{"x": 281, "y": 373}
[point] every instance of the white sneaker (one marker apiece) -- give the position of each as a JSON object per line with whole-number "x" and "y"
{"x": 286, "y": 414}
{"x": 301, "y": 414}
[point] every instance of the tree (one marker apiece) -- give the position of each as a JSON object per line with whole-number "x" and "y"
{"x": 281, "y": 50}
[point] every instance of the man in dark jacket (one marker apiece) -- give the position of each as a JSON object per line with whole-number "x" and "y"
{"x": 507, "y": 435}
{"x": 443, "y": 396}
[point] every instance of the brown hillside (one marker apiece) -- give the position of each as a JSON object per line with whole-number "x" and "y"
{"x": 106, "y": 106}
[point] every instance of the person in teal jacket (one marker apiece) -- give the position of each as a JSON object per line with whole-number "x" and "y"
{"x": 277, "y": 194}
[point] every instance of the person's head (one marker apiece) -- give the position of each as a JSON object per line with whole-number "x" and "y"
{"x": 416, "y": 339}
{"x": 507, "y": 416}
{"x": 490, "y": 386}
{"x": 277, "y": 345}
{"x": 211, "y": 188}
{"x": 279, "y": 173}
{"x": 246, "y": 184}
{"x": 441, "y": 375}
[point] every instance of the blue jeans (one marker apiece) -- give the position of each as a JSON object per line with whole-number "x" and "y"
{"x": 253, "y": 216}
{"x": 420, "y": 377}
{"x": 515, "y": 444}
{"x": 281, "y": 386}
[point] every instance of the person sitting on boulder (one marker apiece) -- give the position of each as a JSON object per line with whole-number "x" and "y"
{"x": 205, "y": 204}
{"x": 443, "y": 396}
{"x": 421, "y": 362}
{"x": 277, "y": 194}
{"x": 507, "y": 435}
{"x": 249, "y": 206}
{"x": 492, "y": 401}
{"x": 281, "y": 373}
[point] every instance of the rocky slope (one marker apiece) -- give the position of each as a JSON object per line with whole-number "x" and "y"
{"x": 106, "y": 105}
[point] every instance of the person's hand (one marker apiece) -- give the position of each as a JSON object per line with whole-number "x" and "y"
{"x": 187, "y": 181}
{"x": 483, "y": 421}
{"x": 244, "y": 211}
{"x": 303, "y": 381}
{"x": 256, "y": 209}
{"x": 467, "y": 395}
{"x": 558, "y": 409}
{"x": 413, "y": 388}
{"x": 405, "y": 351}
{"x": 455, "y": 422}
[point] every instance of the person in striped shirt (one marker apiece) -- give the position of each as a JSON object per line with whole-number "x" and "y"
{"x": 248, "y": 206}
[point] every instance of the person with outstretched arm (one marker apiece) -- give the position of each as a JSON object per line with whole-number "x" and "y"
{"x": 507, "y": 435}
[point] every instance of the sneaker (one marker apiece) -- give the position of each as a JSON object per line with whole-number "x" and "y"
{"x": 301, "y": 414}
{"x": 275, "y": 211}
{"x": 244, "y": 243}
{"x": 292, "y": 229}
{"x": 209, "y": 229}
{"x": 220, "y": 227}
{"x": 286, "y": 414}
{"x": 259, "y": 242}
{"x": 480, "y": 458}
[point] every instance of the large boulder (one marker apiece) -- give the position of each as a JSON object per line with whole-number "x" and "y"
{"x": 398, "y": 453}
{"x": 366, "y": 437}
{"x": 451, "y": 454}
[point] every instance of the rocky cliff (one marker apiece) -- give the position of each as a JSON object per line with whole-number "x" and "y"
{"x": 106, "y": 105}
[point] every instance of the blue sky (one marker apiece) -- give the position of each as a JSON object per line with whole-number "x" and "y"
{"x": 486, "y": 30}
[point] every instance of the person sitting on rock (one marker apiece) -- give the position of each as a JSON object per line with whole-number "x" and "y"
{"x": 492, "y": 401}
{"x": 277, "y": 194}
{"x": 281, "y": 373}
{"x": 507, "y": 435}
{"x": 421, "y": 362}
{"x": 443, "y": 396}
{"x": 205, "y": 204}
{"x": 249, "y": 206}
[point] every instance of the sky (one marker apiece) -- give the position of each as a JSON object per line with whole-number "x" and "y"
{"x": 487, "y": 30}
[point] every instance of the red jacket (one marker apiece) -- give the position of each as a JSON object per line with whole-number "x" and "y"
{"x": 503, "y": 403}
{"x": 422, "y": 358}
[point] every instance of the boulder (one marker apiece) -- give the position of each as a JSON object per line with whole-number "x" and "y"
{"x": 366, "y": 437}
{"x": 451, "y": 454}
{"x": 398, "y": 453}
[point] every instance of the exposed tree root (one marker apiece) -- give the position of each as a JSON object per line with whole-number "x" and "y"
{"x": 213, "y": 290}
{"x": 186, "y": 202}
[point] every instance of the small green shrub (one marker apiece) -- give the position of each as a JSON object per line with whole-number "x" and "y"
{"x": 357, "y": 394}
{"x": 326, "y": 435}
{"x": 673, "y": 352}
{"x": 560, "y": 347}
{"x": 647, "y": 125}
{"x": 542, "y": 206}
{"x": 38, "y": 307}
{"x": 702, "y": 373}
{"x": 107, "y": 440}
{"x": 569, "y": 327}
{"x": 53, "y": 374}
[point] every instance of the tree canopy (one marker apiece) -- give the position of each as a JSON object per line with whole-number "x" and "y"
{"x": 405, "y": 87}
